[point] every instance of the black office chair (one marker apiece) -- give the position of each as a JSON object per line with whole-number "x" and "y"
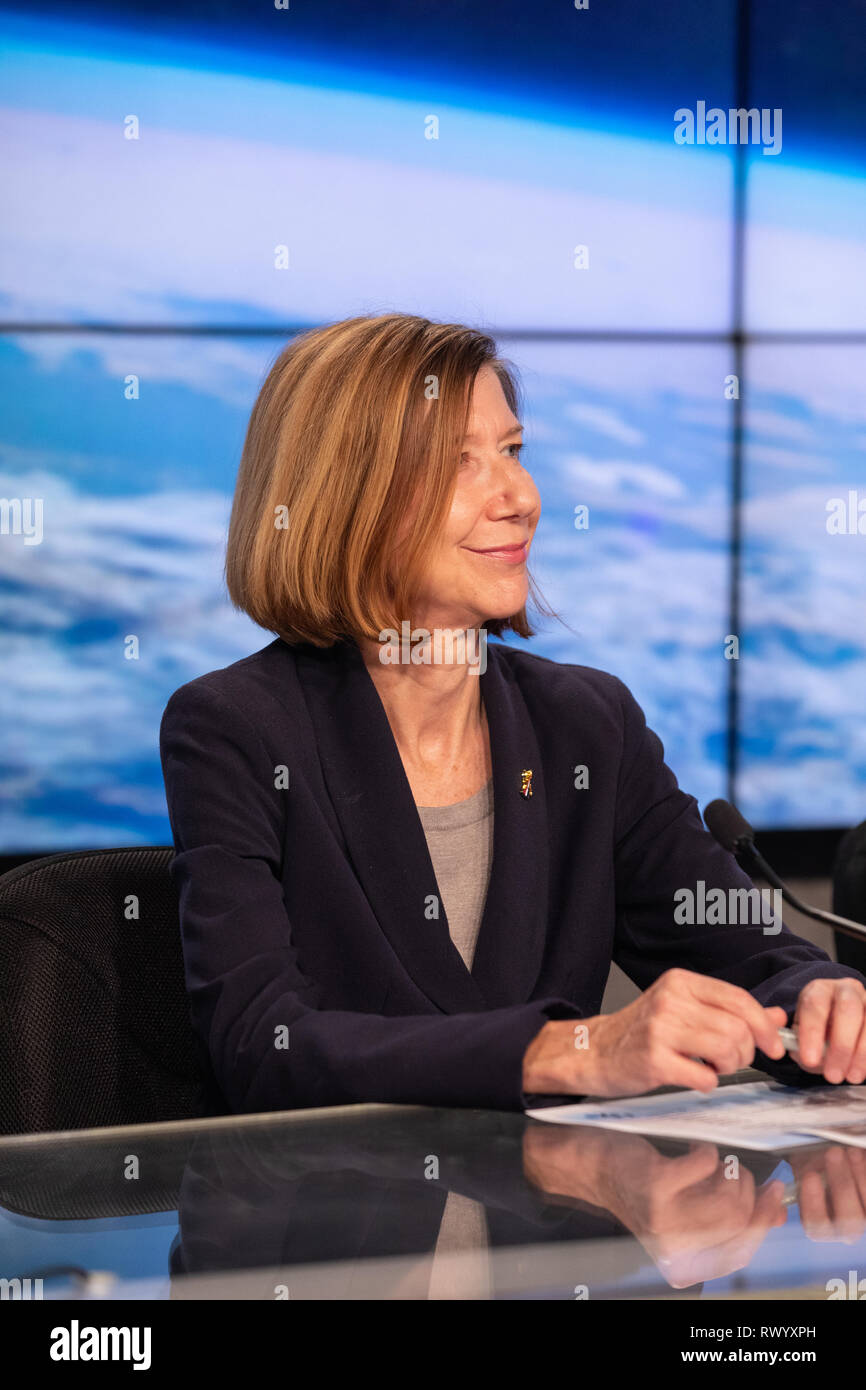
{"x": 849, "y": 894}
{"x": 94, "y": 1019}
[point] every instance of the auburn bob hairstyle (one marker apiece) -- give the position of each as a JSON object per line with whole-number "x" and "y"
{"x": 347, "y": 474}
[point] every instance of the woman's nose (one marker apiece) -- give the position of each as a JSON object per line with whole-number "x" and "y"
{"x": 514, "y": 486}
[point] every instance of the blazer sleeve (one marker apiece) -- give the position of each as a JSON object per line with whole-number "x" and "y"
{"x": 245, "y": 988}
{"x": 661, "y": 847}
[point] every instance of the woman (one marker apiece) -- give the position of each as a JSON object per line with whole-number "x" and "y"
{"x": 405, "y": 868}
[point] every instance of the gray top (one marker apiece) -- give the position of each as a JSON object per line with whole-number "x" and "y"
{"x": 460, "y": 840}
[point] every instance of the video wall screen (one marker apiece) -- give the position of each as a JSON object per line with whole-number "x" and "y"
{"x": 185, "y": 189}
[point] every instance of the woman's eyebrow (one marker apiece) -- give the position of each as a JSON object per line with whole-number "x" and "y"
{"x": 515, "y": 429}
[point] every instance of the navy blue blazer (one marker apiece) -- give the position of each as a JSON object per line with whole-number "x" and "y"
{"x": 315, "y": 971}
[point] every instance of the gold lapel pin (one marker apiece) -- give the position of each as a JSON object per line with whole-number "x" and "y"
{"x": 526, "y": 782}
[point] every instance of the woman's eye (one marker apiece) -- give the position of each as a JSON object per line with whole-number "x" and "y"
{"x": 516, "y": 447}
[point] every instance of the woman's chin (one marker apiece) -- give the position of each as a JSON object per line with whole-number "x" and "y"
{"x": 508, "y": 600}
{"x": 497, "y": 606}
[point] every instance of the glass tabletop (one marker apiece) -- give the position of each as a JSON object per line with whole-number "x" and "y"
{"x": 391, "y": 1202}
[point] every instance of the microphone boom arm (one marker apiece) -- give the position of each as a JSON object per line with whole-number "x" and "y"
{"x": 843, "y": 924}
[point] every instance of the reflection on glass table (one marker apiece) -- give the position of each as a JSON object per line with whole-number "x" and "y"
{"x": 391, "y": 1202}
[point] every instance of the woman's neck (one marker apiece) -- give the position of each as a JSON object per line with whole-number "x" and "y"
{"x": 439, "y": 724}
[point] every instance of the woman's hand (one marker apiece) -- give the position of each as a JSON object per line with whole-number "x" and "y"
{"x": 832, "y": 1011}
{"x": 655, "y": 1041}
{"x": 693, "y": 1219}
{"x": 831, "y": 1192}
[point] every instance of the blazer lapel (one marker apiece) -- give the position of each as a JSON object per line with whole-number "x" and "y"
{"x": 374, "y": 804}
{"x": 514, "y": 924}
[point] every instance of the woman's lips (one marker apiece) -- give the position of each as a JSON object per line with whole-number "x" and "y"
{"x": 510, "y": 554}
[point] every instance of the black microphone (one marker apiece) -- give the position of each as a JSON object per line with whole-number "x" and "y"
{"x": 734, "y": 834}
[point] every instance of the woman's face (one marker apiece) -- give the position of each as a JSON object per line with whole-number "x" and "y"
{"x": 478, "y": 569}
